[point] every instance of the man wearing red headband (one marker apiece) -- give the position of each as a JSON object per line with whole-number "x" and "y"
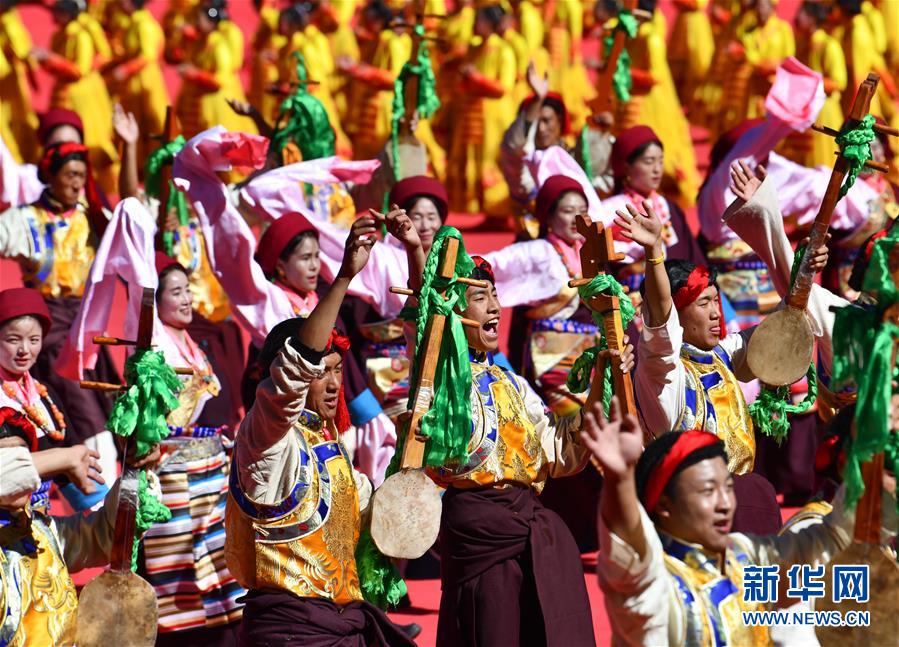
{"x": 295, "y": 507}
{"x": 670, "y": 567}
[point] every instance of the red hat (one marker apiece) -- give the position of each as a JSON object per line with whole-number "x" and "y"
{"x": 19, "y": 302}
{"x": 164, "y": 262}
{"x": 552, "y": 99}
{"x": 277, "y": 237}
{"x": 625, "y": 145}
{"x": 483, "y": 270}
{"x": 420, "y": 185}
{"x": 553, "y": 189}
{"x": 56, "y": 117}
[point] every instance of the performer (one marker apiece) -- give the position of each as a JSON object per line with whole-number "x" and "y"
{"x": 143, "y": 92}
{"x": 18, "y": 121}
{"x": 38, "y": 550}
{"x": 667, "y": 540}
{"x": 688, "y": 368}
{"x": 79, "y": 86}
{"x": 481, "y": 109}
{"x": 531, "y": 579}
{"x": 210, "y": 78}
{"x": 294, "y": 514}
{"x": 53, "y": 241}
{"x": 690, "y": 50}
{"x": 638, "y": 161}
{"x": 824, "y": 54}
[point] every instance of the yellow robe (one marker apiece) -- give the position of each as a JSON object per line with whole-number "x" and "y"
{"x": 890, "y": 12}
{"x": 765, "y": 46}
{"x": 18, "y": 121}
{"x": 474, "y": 181}
{"x": 660, "y": 109}
{"x": 371, "y": 108}
{"x": 861, "y": 58}
{"x": 316, "y": 51}
{"x": 567, "y": 74}
{"x": 200, "y": 107}
{"x": 690, "y": 51}
{"x": 266, "y": 44}
{"x": 826, "y": 56}
{"x": 87, "y": 95}
{"x": 145, "y": 93}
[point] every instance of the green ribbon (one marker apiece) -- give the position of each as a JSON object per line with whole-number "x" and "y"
{"x": 771, "y": 410}
{"x": 379, "y": 579}
{"x": 863, "y": 347}
{"x": 140, "y": 411}
{"x": 447, "y": 424}
{"x": 855, "y": 148}
{"x": 176, "y": 200}
{"x": 426, "y": 103}
{"x": 621, "y": 79}
{"x": 578, "y": 379}
{"x": 305, "y": 120}
{"x": 584, "y": 148}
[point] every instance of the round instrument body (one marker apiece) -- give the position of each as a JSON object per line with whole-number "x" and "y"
{"x": 117, "y": 609}
{"x": 406, "y": 514}
{"x": 780, "y": 349}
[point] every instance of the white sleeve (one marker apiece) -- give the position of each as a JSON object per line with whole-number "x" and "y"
{"x": 527, "y": 273}
{"x": 268, "y": 462}
{"x": 17, "y": 474}
{"x": 736, "y": 345}
{"x": 636, "y": 592}
{"x": 15, "y": 235}
{"x": 660, "y": 376}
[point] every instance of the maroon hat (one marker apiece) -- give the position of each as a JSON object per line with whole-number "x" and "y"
{"x": 58, "y": 117}
{"x": 553, "y": 189}
{"x": 552, "y": 100}
{"x": 277, "y": 237}
{"x": 728, "y": 140}
{"x": 164, "y": 262}
{"x": 20, "y": 302}
{"x": 421, "y": 185}
{"x": 626, "y": 143}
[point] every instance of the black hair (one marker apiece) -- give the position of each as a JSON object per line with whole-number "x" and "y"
{"x": 610, "y": 6}
{"x": 295, "y": 242}
{"x": 379, "y": 11}
{"x": 215, "y": 10}
{"x": 556, "y": 105}
{"x": 69, "y": 7}
{"x": 139, "y": 4}
{"x": 298, "y": 14}
{"x": 493, "y": 14}
{"x": 817, "y": 10}
{"x": 861, "y": 263}
{"x": 678, "y": 272}
{"x": 57, "y": 163}
{"x": 656, "y": 451}
{"x": 647, "y": 5}
{"x": 850, "y": 7}
{"x": 260, "y": 368}
{"x": 544, "y": 226}
{"x": 163, "y": 275}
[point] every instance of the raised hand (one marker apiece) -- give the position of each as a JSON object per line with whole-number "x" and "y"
{"x": 538, "y": 84}
{"x": 125, "y": 124}
{"x": 643, "y": 228}
{"x": 399, "y": 225}
{"x": 744, "y": 183}
{"x": 243, "y": 108}
{"x": 615, "y": 443}
{"x": 358, "y": 247}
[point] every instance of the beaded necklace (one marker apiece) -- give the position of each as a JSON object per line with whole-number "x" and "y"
{"x": 32, "y": 411}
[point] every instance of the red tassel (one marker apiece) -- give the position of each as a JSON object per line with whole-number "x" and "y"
{"x": 342, "y": 419}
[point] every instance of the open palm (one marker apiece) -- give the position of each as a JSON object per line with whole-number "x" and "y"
{"x": 744, "y": 183}
{"x": 616, "y": 443}
{"x": 643, "y": 228}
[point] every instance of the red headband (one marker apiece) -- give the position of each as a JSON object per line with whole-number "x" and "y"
{"x": 482, "y": 267}
{"x": 869, "y": 246}
{"x": 53, "y": 155}
{"x": 686, "y": 444}
{"x": 338, "y": 342}
{"x": 696, "y": 283}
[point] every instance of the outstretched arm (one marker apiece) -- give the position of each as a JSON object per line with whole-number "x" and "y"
{"x": 616, "y": 444}
{"x": 126, "y": 128}
{"x": 400, "y": 226}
